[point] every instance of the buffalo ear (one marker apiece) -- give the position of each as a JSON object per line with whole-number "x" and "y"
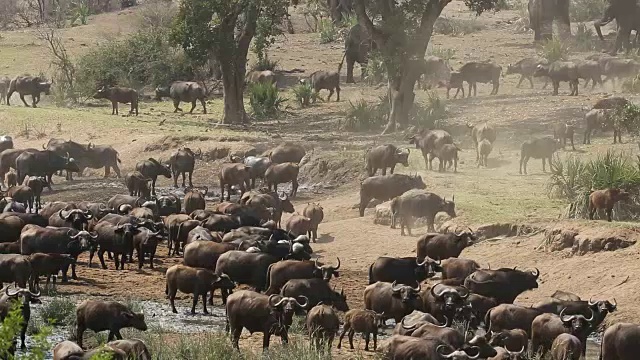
{"x": 336, "y": 273}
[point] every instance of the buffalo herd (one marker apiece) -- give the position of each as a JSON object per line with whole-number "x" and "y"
{"x": 471, "y": 312}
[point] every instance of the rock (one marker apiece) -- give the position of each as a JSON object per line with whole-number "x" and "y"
{"x": 382, "y": 215}
{"x": 585, "y": 240}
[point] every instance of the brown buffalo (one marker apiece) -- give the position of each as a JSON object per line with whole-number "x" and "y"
{"x": 564, "y": 131}
{"x": 394, "y": 301}
{"x": 546, "y": 327}
{"x": 542, "y": 148}
{"x": 99, "y": 315}
{"x": 279, "y": 273}
{"x": 323, "y": 324}
{"x": 385, "y": 156}
{"x": 419, "y": 203}
{"x": 387, "y": 187}
{"x": 286, "y": 152}
{"x": 621, "y": 341}
{"x": 282, "y": 173}
{"x": 196, "y": 281}
{"x": 559, "y": 71}
{"x": 233, "y": 174}
{"x": 315, "y": 213}
{"x": 428, "y": 141}
{"x": 117, "y": 95}
{"x": 605, "y": 200}
{"x": 362, "y": 321}
{"x": 194, "y": 200}
{"x": 183, "y": 161}
{"x": 28, "y": 85}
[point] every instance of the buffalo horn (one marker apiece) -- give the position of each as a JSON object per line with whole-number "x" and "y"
{"x": 477, "y": 352}
{"x": 421, "y": 263}
{"x": 615, "y": 303}
{"x": 516, "y": 353}
{"x": 395, "y": 288}
{"x": 536, "y": 273}
{"x": 418, "y": 288}
{"x": 88, "y": 215}
{"x": 306, "y": 301}
{"x": 407, "y": 327}
{"x": 440, "y": 352}
{"x": 434, "y": 293}
{"x": 206, "y": 191}
{"x": 94, "y": 236}
{"x": 155, "y": 233}
{"x": 62, "y": 215}
{"x": 591, "y": 303}
{"x": 465, "y": 291}
{"x": 271, "y": 297}
{"x": 338, "y": 266}
{"x": 566, "y": 318}
{"x": 34, "y": 295}
{"x": 593, "y": 315}
{"x": 72, "y": 236}
{"x": 9, "y": 294}
{"x": 315, "y": 263}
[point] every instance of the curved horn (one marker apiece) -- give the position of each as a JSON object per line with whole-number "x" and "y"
{"x": 566, "y": 318}
{"x": 34, "y": 295}
{"x": 72, "y": 236}
{"x": 593, "y": 315}
{"x": 62, "y": 215}
{"x": 94, "y": 236}
{"x": 433, "y": 291}
{"x": 315, "y": 263}
{"x": 615, "y": 303}
{"x": 447, "y": 322}
{"x": 418, "y": 288}
{"x": 88, "y": 214}
{"x": 395, "y": 287}
{"x": 477, "y": 355}
{"x": 592, "y": 303}
{"x": 439, "y": 351}
{"x": 337, "y": 267}
{"x": 306, "y": 301}
{"x": 206, "y": 191}
{"x": 9, "y": 294}
{"x": 404, "y": 326}
{"x": 536, "y": 274}
{"x": 466, "y": 292}
{"x": 271, "y": 297}
{"x": 418, "y": 263}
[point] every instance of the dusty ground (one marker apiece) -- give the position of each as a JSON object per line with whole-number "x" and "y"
{"x": 497, "y": 194}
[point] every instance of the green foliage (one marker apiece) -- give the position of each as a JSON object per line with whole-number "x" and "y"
{"x": 361, "y": 116}
{"x": 583, "y": 38}
{"x": 628, "y": 117}
{"x": 456, "y": 27}
{"x": 265, "y": 64}
{"x": 11, "y": 328}
{"x": 304, "y": 94}
{"x": 632, "y": 85}
{"x": 574, "y": 178}
{"x": 314, "y": 11}
{"x": 144, "y": 58}
{"x": 80, "y": 12}
{"x": 328, "y": 31}
{"x": 266, "y": 32}
{"x": 586, "y": 10}
{"x": 265, "y": 100}
{"x": 376, "y": 71}
{"x": 503, "y": 5}
{"x": 58, "y": 311}
{"x": 349, "y": 21}
{"x": 445, "y": 54}
{"x": 554, "y": 50}
{"x": 431, "y": 115}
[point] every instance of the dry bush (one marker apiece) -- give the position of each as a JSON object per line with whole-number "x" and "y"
{"x": 156, "y": 14}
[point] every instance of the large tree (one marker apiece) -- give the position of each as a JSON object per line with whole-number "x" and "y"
{"x": 224, "y": 29}
{"x": 402, "y": 30}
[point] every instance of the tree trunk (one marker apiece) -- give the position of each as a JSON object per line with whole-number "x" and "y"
{"x": 233, "y": 86}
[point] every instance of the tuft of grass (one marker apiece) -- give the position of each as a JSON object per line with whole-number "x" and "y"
{"x": 265, "y": 100}
{"x": 328, "y": 31}
{"x": 361, "y": 116}
{"x": 349, "y": 21}
{"x": 583, "y": 38}
{"x": 632, "y": 85}
{"x": 432, "y": 114}
{"x": 554, "y": 50}
{"x": 456, "y": 27}
{"x": 586, "y": 10}
{"x": 58, "y": 311}
{"x": 304, "y": 94}
{"x": 265, "y": 64}
{"x": 574, "y": 179}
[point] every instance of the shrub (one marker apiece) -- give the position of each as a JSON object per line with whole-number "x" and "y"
{"x": 144, "y": 58}
{"x": 456, "y": 27}
{"x": 376, "y": 71}
{"x": 586, "y": 10}
{"x": 362, "y": 116}
{"x": 80, "y": 12}
{"x": 445, "y": 54}
{"x": 628, "y": 117}
{"x": 328, "y": 31}
{"x": 430, "y": 115}
{"x": 349, "y": 21}
{"x": 58, "y": 311}
{"x": 574, "y": 178}
{"x": 265, "y": 64}
{"x": 554, "y": 50}
{"x": 632, "y": 85}
{"x": 265, "y": 100}
{"x": 314, "y": 11}
{"x": 304, "y": 94}
{"x": 156, "y": 14}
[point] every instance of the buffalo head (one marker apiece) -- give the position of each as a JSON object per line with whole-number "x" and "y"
{"x": 26, "y": 294}
{"x": 446, "y": 353}
{"x": 603, "y": 306}
{"x": 162, "y": 91}
{"x": 284, "y": 309}
{"x": 402, "y": 156}
{"x": 427, "y": 268}
{"x": 45, "y": 87}
{"x": 486, "y": 350}
{"x": 406, "y": 293}
{"x": 326, "y": 271}
{"x": 126, "y": 231}
{"x": 82, "y": 241}
{"x": 541, "y": 70}
{"x": 466, "y": 238}
{"x": 416, "y": 182}
{"x": 339, "y": 300}
{"x": 102, "y": 93}
{"x": 134, "y": 320}
{"x": 223, "y": 281}
{"x": 577, "y": 323}
{"x": 449, "y": 207}
{"x": 285, "y": 204}
{"x": 451, "y": 297}
{"x": 76, "y": 217}
{"x": 124, "y": 209}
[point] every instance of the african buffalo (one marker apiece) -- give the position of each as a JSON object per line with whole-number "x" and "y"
{"x": 387, "y": 187}
{"x": 187, "y": 91}
{"x": 28, "y": 85}
{"x": 385, "y": 156}
{"x": 503, "y": 284}
{"x": 419, "y": 203}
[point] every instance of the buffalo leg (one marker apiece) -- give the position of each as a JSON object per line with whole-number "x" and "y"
{"x": 556, "y": 86}
{"x": 475, "y": 89}
{"x": 176, "y": 104}
{"x": 344, "y": 331}
{"x": 294, "y": 187}
{"x": 470, "y": 87}
{"x": 530, "y": 81}
{"x": 592, "y": 212}
{"x": 204, "y": 106}
{"x": 140, "y": 259}
{"x": 118, "y": 260}
{"x": 79, "y": 333}
{"x": 190, "y": 175}
{"x": 609, "y": 212}
{"x": 204, "y": 303}
{"x": 384, "y": 171}
{"x": 172, "y": 299}
{"x": 367, "y": 336}
{"x": 520, "y": 82}
{"x": 101, "y": 257}
{"x": 23, "y": 100}
{"x": 117, "y": 334}
{"x": 544, "y": 161}
{"x": 235, "y": 338}
{"x": 392, "y": 169}
{"x": 195, "y": 302}
{"x": 265, "y": 340}
{"x": 73, "y": 269}
{"x": 351, "y": 333}
{"x": 364, "y": 201}
{"x": 337, "y": 94}
{"x": 193, "y": 106}
{"x": 222, "y": 191}
{"x": 330, "y": 93}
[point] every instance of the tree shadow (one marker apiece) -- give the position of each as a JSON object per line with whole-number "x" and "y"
{"x": 493, "y": 163}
